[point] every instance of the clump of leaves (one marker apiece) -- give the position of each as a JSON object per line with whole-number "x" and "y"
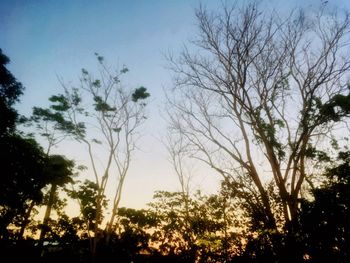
{"x": 140, "y": 94}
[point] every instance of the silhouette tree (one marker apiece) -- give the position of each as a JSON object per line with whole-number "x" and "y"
{"x": 23, "y": 176}
{"x": 59, "y": 172}
{"x": 22, "y": 159}
{"x": 86, "y": 195}
{"x": 256, "y": 96}
{"x": 10, "y": 90}
{"x": 325, "y": 230}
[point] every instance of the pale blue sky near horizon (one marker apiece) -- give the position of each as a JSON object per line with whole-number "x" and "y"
{"x": 46, "y": 39}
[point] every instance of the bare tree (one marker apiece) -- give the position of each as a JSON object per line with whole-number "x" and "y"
{"x": 178, "y": 158}
{"x": 254, "y": 92}
{"x": 105, "y": 116}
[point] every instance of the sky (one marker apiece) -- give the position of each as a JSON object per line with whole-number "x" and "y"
{"x": 46, "y": 39}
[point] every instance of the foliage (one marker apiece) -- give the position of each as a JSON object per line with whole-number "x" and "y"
{"x": 23, "y": 176}
{"x": 206, "y": 231}
{"x": 10, "y": 91}
{"x": 22, "y": 159}
{"x": 86, "y": 194}
{"x": 325, "y": 221}
{"x": 59, "y": 172}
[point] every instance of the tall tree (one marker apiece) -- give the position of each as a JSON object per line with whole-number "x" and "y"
{"x": 105, "y": 116}
{"x": 22, "y": 160}
{"x": 258, "y": 94}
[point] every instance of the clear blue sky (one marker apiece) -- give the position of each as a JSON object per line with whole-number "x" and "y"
{"x": 48, "y": 38}
{"x": 45, "y": 38}
{"x": 58, "y": 37}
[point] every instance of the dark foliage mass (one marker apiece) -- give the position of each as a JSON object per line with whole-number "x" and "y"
{"x": 22, "y": 159}
{"x": 10, "y": 91}
{"x": 324, "y": 223}
{"x": 207, "y": 232}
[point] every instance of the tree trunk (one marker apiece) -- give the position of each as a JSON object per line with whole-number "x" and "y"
{"x": 26, "y": 220}
{"x": 48, "y": 212}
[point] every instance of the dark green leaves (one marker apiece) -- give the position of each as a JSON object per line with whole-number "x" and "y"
{"x": 117, "y": 129}
{"x": 140, "y": 94}
{"x": 337, "y": 107}
{"x": 61, "y": 101}
{"x": 124, "y": 70}
{"x": 96, "y": 141}
{"x": 101, "y": 105}
{"x": 10, "y": 90}
{"x": 59, "y": 170}
{"x": 87, "y": 195}
{"x": 57, "y": 117}
{"x": 84, "y": 72}
{"x": 99, "y": 58}
{"x": 97, "y": 83}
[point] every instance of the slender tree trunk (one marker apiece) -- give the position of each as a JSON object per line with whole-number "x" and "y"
{"x": 116, "y": 202}
{"x": 48, "y": 212}
{"x": 97, "y": 234}
{"x": 109, "y": 227}
{"x": 26, "y": 220}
